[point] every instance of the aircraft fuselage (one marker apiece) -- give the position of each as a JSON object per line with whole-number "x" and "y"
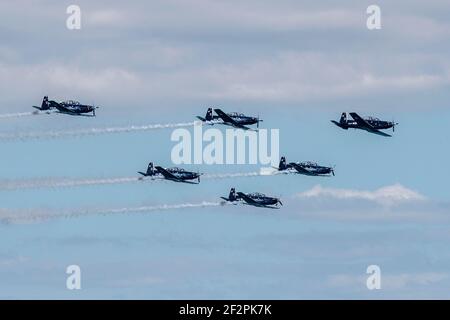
{"x": 376, "y": 124}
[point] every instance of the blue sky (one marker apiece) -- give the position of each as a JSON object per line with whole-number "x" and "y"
{"x": 296, "y": 64}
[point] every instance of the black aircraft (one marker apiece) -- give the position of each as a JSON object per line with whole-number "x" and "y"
{"x": 234, "y": 119}
{"x": 307, "y": 168}
{"x": 370, "y": 124}
{"x": 173, "y": 174}
{"x": 67, "y": 107}
{"x": 253, "y": 199}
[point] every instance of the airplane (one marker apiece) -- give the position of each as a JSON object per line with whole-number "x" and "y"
{"x": 370, "y": 124}
{"x": 253, "y": 199}
{"x": 67, "y": 107}
{"x": 307, "y": 168}
{"x": 234, "y": 119}
{"x": 172, "y": 174}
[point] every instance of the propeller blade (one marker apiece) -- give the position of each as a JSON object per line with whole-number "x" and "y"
{"x": 393, "y": 125}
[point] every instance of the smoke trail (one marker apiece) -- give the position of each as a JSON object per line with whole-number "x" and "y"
{"x": 160, "y": 207}
{"x": 61, "y": 183}
{"x": 18, "y": 115}
{"x": 231, "y": 175}
{"x": 30, "y": 216}
{"x": 10, "y": 185}
{"x": 90, "y": 131}
{"x": 264, "y": 171}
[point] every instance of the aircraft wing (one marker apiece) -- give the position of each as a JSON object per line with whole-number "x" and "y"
{"x": 166, "y": 174}
{"x": 365, "y": 125}
{"x": 381, "y": 133}
{"x": 247, "y": 199}
{"x": 63, "y": 109}
{"x": 227, "y": 119}
{"x": 360, "y": 121}
{"x": 299, "y": 168}
{"x": 252, "y": 202}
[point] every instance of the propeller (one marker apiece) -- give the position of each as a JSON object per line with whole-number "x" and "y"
{"x": 259, "y": 120}
{"x": 393, "y": 125}
{"x": 332, "y": 170}
{"x": 279, "y": 199}
{"x": 93, "y": 108}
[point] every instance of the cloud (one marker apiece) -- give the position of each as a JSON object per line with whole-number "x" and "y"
{"x": 386, "y": 204}
{"x": 286, "y": 77}
{"x": 389, "y": 195}
{"x": 108, "y": 17}
{"x": 8, "y": 260}
{"x": 253, "y": 52}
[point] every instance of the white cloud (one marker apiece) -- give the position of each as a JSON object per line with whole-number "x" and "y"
{"x": 389, "y": 195}
{"x": 11, "y": 261}
{"x": 107, "y": 17}
{"x": 288, "y": 52}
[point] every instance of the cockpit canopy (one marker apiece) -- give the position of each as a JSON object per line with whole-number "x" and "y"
{"x": 175, "y": 169}
{"x": 373, "y": 119}
{"x": 309, "y": 164}
{"x": 257, "y": 195}
{"x": 236, "y": 114}
{"x": 71, "y": 102}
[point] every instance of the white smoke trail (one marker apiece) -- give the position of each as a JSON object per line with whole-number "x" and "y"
{"x": 90, "y": 131}
{"x": 18, "y": 115}
{"x": 10, "y": 185}
{"x": 30, "y": 216}
{"x": 61, "y": 183}
{"x": 160, "y": 207}
{"x": 231, "y": 175}
{"x": 262, "y": 172}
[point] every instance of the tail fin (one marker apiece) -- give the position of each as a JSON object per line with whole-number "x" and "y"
{"x": 232, "y": 196}
{"x": 150, "y": 170}
{"x": 343, "y": 118}
{"x": 282, "y": 165}
{"x": 45, "y": 105}
{"x": 209, "y": 114}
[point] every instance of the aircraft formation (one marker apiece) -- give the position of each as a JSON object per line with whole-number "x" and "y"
{"x": 239, "y": 121}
